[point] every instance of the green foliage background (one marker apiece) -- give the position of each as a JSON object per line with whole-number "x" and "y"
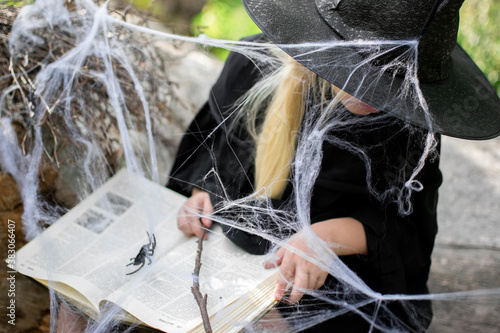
{"x": 479, "y": 34}
{"x": 224, "y": 19}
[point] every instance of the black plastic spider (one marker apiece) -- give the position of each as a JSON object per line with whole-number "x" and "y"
{"x": 145, "y": 253}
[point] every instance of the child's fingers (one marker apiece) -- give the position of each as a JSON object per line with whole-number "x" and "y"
{"x": 285, "y": 280}
{"x": 189, "y": 220}
{"x": 197, "y": 227}
{"x": 300, "y": 282}
{"x": 276, "y": 260}
{"x": 207, "y": 210}
{"x": 317, "y": 282}
{"x": 279, "y": 255}
{"x": 185, "y": 223}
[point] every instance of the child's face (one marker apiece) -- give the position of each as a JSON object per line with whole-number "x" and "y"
{"x": 353, "y": 104}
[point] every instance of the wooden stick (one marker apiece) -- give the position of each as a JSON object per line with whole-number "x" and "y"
{"x": 195, "y": 289}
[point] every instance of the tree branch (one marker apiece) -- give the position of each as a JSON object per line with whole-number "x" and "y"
{"x": 195, "y": 289}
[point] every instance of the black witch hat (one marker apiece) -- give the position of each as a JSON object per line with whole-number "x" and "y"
{"x": 400, "y": 56}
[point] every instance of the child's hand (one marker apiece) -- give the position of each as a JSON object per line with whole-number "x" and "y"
{"x": 296, "y": 271}
{"x": 344, "y": 236}
{"x": 188, "y": 219}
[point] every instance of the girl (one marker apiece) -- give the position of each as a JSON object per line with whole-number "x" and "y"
{"x": 335, "y": 153}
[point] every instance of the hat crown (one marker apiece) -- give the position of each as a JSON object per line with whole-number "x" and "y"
{"x": 457, "y": 95}
{"x": 433, "y": 22}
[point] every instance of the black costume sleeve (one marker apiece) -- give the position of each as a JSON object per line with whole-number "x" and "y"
{"x": 192, "y": 162}
{"x": 216, "y": 156}
{"x": 206, "y": 150}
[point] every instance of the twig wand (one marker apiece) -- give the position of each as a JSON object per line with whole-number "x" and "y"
{"x": 195, "y": 289}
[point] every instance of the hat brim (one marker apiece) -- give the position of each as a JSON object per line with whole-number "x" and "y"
{"x": 464, "y": 105}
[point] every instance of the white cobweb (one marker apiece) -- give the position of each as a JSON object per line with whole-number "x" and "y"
{"x": 115, "y": 44}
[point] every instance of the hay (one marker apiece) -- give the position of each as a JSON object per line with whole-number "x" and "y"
{"x": 92, "y": 115}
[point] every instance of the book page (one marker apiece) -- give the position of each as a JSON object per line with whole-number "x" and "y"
{"x": 89, "y": 247}
{"x": 164, "y": 301}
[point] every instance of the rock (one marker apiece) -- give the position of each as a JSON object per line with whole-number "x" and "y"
{"x": 32, "y": 305}
{"x": 10, "y": 198}
{"x": 12, "y": 215}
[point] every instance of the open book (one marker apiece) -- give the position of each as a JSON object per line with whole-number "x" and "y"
{"x": 84, "y": 257}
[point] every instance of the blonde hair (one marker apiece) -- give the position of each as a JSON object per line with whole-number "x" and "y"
{"x": 284, "y": 93}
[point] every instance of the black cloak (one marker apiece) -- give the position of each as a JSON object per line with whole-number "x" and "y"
{"x": 219, "y": 159}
